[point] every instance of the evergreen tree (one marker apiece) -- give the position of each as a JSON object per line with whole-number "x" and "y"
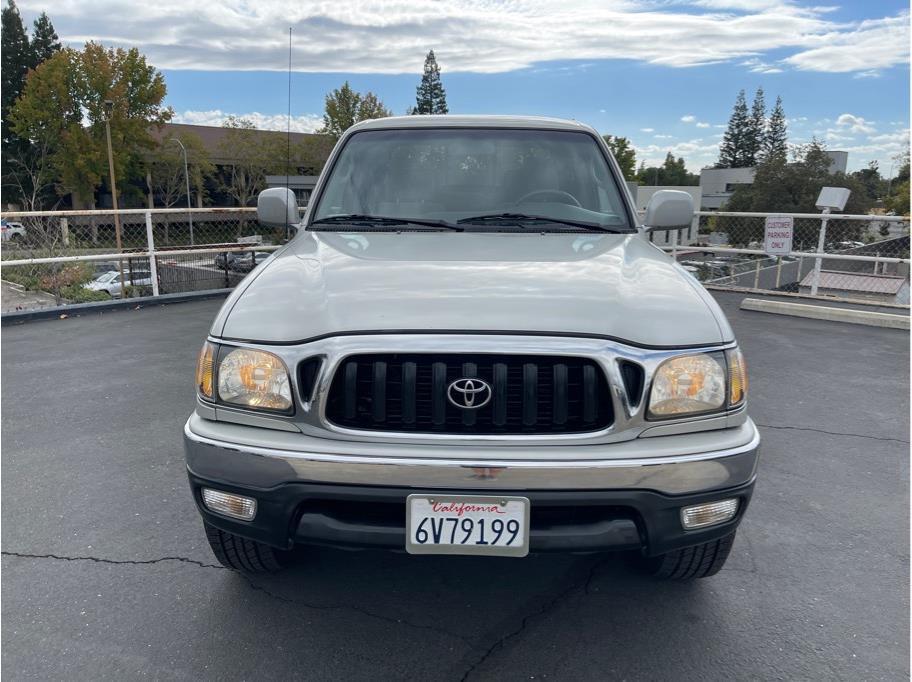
{"x": 775, "y": 141}
{"x": 430, "y": 97}
{"x": 732, "y": 151}
{"x": 753, "y": 143}
{"x": 44, "y": 40}
{"x": 14, "y": 62}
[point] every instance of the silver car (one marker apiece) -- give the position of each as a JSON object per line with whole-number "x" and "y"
{"x": 472, "y": 347}
{"x": 111, "y": 284}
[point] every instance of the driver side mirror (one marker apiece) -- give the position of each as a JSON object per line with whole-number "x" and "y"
{"x": 669, "y": 209}
{"x": 277, "y": 207}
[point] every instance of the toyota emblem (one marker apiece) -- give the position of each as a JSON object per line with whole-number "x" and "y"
{"x": 469, "y": 394}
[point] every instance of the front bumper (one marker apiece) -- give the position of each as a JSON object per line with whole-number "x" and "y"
{"x": 625, "y": 496}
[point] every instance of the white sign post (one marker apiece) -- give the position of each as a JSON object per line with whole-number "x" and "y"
{"x": 778, "y": 234}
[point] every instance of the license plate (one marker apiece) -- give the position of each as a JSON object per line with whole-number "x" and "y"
{"x": 467, "y": 524}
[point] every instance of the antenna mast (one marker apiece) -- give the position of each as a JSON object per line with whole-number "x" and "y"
{"x": 288, "y": 134}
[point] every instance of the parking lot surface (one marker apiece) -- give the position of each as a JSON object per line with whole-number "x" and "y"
{"x": 107, "y": 575}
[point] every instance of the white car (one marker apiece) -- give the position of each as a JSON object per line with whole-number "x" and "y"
{"x": 110, "y": 282}
{"x": 11, "y": 231}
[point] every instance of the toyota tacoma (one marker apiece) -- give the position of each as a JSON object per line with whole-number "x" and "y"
{"x": 470, "y": 346}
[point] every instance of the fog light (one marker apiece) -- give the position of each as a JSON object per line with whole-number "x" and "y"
{"x": 709, "y": 514}
{"x": 236, "y": 506}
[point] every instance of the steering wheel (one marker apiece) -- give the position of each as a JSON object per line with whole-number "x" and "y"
{"x": 559, "y": 193}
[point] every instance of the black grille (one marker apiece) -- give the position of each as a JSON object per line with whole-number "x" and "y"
{"x": 529, "y": 394}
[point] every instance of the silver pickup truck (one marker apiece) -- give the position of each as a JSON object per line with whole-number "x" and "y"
{"x": 471, "y": 347}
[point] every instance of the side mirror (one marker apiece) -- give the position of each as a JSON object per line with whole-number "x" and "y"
{"x": 277, "y": 207}
{"x": 669, "y": 209}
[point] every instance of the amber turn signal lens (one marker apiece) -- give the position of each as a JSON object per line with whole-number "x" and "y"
{"x": 737, "y": 377}
{"x": 204, "y": 371}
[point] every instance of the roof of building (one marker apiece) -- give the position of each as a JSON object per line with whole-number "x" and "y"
{"x": 212, "y": 137}
{"x": 854, "y": 281}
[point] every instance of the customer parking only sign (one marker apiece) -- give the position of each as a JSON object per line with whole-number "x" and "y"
{"x": 778, "y": 235}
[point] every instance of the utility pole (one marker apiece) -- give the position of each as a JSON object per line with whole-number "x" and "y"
{"x": 109, "y": 108}
{"x": 187, "y": 176}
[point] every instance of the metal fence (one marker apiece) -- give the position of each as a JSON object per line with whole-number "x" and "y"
{"x": 64, "y": 257}
{"x": 863, "y": 258}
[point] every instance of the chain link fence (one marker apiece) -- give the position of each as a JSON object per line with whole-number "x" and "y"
{"x": 861, "y": 258}
{"x": 65, "y": 257}
{"x": 60, "y": 258}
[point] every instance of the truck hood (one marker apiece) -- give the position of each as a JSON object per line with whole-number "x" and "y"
{"x": 616, "y": 286}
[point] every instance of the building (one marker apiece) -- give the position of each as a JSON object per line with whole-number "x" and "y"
{"x": 718, "y": 184}
{"x": 301, "y": 185}
{"x": 880, "y": 288}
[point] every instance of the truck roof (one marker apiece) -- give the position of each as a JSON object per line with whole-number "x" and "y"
{"x": 479, "y": 121}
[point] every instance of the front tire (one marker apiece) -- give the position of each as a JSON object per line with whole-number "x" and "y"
{"x": 241, "y": 554}
{"x": 690, "y": 563}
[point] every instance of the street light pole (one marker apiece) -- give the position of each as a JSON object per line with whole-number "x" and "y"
{"x": 109, "y": 108}
{"x": 187, "y": 176}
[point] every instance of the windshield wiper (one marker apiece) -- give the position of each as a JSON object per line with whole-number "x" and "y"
{"x": 521, "y": 219}
{"x": 362, "y": 219}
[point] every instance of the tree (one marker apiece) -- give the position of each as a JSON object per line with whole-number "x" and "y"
{"x": 624, "y": 154}
{"x": 430, "y": 97}
{"x": 732, "y": 152}
{"x": 166, "y": 169}
{"x": 898, "y": 195}
{"x": 874, "y": 185}
{"x": 45, "y": 42}
{"x": 756, "y": 130}
{"x": 345, "y": 107}
{"x": 63, "y": 106}
{"x": 15, "y": 60}
{"x": 246, "y": 177}
{"x": 775, "y": 141}
{"x": 673, "y": 172}
{"x": 781, "y": 187}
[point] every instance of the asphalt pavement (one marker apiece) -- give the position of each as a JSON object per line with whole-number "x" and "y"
{"x": 106, "y": 573}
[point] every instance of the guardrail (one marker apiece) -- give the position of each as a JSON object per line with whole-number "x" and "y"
{"x": 862, "y": 258}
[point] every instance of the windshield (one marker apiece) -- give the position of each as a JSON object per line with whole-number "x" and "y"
{"x": 459, "y": 174}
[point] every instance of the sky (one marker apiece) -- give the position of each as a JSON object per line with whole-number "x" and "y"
{"x": 664, "y": 73}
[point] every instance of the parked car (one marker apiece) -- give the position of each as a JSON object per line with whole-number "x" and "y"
{"x": 471, "y": 347}
{"x": 247, "y": 261}
{"x": 224, "y": 259}
{"x": 110, "y": 282}
{"x": 11, "y": 231}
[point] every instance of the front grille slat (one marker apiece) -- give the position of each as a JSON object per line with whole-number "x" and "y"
{"x": 409, "y": 380}
{"x": 438, "y": 394}
{"x": 500, "y": 394}
{"x": 530, "y": 394}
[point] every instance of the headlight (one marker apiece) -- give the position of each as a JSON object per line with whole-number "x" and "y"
{"x": 254, "y": 378}
{"x": 204, "y": 371}
{"x": 688, "y": 384}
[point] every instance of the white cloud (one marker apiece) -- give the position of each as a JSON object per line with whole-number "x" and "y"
{"x": 759, "y": 66}
{"x": 482, "y": 36}
{"x": 701, "y": 124}
{"x": 663, "y": 137}
{"x": 872, "y": 44}
{"x": 690, "y": 118}
{"x": 299, "y": 124}
{"x": 647, "y": 130}
{"x": 856, "y": 124}
{"x": 697, "y": 153}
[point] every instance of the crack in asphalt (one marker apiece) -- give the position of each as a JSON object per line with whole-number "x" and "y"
{"x": 547, "y": 606}
{"x": 831, "y": 433}
{"x": 99, "y": 560}
{"x": 250, "y": 583}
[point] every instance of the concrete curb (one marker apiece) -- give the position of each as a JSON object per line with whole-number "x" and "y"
{"x": 817, "y": 312}
{"x": 20, "y": 316}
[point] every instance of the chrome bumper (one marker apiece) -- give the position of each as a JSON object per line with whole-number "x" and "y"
{"x": 673, "y": 465}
